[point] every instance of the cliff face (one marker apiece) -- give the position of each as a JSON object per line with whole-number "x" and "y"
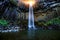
{"x": 50, "y": 14}
{"x": 10, "y": 9}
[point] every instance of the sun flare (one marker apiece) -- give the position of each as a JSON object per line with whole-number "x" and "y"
{"x": 28, "y": 2}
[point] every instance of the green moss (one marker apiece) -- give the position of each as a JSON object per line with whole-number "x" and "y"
{"x": 3, "y": 22}
{"x": 53, "y": 21}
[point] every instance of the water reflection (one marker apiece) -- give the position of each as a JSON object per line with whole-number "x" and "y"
{"x": 31, "y": 33}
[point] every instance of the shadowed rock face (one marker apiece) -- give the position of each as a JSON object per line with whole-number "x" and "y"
{"x": 44, "y": 6}
{"x": 38, "y": 6}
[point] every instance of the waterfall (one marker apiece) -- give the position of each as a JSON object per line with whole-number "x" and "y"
{"x": 31, "y": 18}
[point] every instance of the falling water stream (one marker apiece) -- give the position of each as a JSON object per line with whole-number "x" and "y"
{"x": 31, "y": 18}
